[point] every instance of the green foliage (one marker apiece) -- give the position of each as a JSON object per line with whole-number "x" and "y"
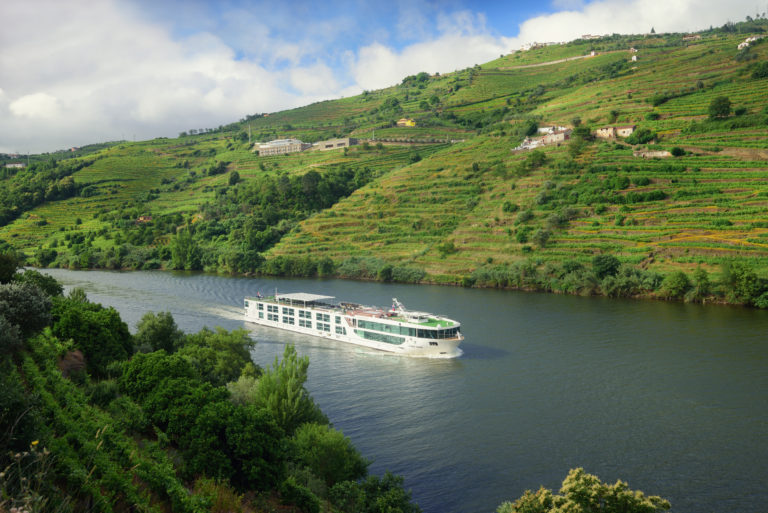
{"x": 217, "y": 356}
{"x": 373, "y": 495}
{"x": 280, "y": 391}
{"x": 143, "y": 373}
{"x": 641, "y": 136}
{"x": 675, "y": 285}
{"x": 44, "y": 282}
{"x": 185, "y": 252}
{"x": 677, "y": 151}
{"x": 300, "y": 496}
{"x": 720, "y": 107}
{"x": 328, "y": 454}
{"x": 99, "y": 332}
{"x": 701, "y": 287}
{"x": 585, "y": 493}
{"x": 605, "y": 265}
{"x": 742, "y": 283}
{"x": 26, "y": 306}
{"x": 158, "y": 331}
{"x": 760, "y": 70}
{"x": 9, "y": 262}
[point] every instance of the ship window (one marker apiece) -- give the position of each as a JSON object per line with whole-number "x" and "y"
{"x": 260, "y": 306}
{"x": 341, "y": 330}
{"x": 246, "y": 303}
{"x": 380, "y": 337}
{"x": 288, "y": 320}
{"x": 433, "y": 343}
{"x": 338, "y": 319}
{"x": 261, "y": 315}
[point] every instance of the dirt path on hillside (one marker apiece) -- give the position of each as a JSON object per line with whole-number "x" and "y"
{"x": 524, "y": 66}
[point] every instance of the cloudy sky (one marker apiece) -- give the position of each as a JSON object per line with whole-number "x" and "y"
{"x": 74, "y": 72}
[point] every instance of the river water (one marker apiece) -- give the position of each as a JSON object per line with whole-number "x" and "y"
{"x": 671, "y": 398}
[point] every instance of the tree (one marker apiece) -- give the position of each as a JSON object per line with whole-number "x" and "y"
{"x": 158, "y": 331}
{"x": 373, "y": 495}
{"x": 675, "y": 285}
{"x": 701, "y": 286}
{"x": 585, "y": 493}
{"x": 44, "y": 282}
{"x": 234, "y": 177}
{"x": 540, "y": 237}
{"x": 328, "y": 454}
{"x": 9, "y": 262}
{"x": 605, "y": 265}
{"x": 218, "y": 357}
{"x": 99, "y": 332}
{"x": 280, "y": 390}
{"x": 720, "y": 107}
{"x": 26, "y": 306}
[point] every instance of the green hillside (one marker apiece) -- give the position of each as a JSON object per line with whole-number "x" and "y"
{"x": 448, "y": 200}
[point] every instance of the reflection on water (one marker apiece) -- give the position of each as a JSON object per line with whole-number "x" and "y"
{"x": 672, "y": 398}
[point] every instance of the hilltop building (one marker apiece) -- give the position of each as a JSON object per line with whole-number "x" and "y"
{"x": 692, "y": 37}
{"x": 556, "y": 135}
{"x": 406, "y": 122}
{"x": 748, "y": 41}
{"x": 335, "y": 144}
{"x": 280, "y": 147}
{"x": 611, "y": 132}
{"x": 16, "y": 165}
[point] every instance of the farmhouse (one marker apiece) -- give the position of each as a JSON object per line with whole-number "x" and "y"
{"x": 406, "y": 122}
{"x": 553, "y": 137}
{"x": 334, "y": 144}
{"x": 280, "y": 147}
{"x": 611, "y": 132}
{"x": 692, "y": 37}
{"x": 16, "y": 165}
{"x": 748, "y": 41}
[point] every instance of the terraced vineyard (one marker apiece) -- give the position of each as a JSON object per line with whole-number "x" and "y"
{"x": 450, "y": 197}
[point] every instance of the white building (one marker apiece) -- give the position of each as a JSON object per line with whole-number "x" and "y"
{"x": 280, "y": 147}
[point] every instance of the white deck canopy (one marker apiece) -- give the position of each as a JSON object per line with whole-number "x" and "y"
{"x": 302, "y": 297}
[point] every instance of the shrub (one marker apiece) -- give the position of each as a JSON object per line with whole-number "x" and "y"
{"x": 677, "y": 151}
{"x": 675, "y": 285}
{"x": 720, "y": 107}
{"x": 605, "y": 265}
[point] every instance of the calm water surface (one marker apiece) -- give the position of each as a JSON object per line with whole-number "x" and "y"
{"x": 671, "y": 398}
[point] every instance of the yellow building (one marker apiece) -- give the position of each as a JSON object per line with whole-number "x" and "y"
{"x": 406, "y": 122}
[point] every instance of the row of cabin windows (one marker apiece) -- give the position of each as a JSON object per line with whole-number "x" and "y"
{"x": 303, "y": 314}
{"x": 380, "y": 337}
{"x": 411, "y": 332}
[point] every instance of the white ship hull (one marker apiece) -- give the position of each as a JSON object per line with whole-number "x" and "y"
{"x": 397, "y": 332}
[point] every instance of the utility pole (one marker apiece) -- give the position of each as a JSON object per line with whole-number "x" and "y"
{"x": 249, "y": 134}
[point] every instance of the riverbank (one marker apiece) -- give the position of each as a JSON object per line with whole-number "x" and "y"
{"x": 736, "y": 284}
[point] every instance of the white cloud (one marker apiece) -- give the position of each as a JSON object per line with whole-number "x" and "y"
{"x": 464, "y": 41}
{"x": 77, "y": 72}
{"x": 631, "y": 17}
{"x": 36, "y": 106}
{"x": 104, "y": 73}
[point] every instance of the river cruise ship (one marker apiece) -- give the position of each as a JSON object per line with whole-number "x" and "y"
{"x": 395, "y": 330}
